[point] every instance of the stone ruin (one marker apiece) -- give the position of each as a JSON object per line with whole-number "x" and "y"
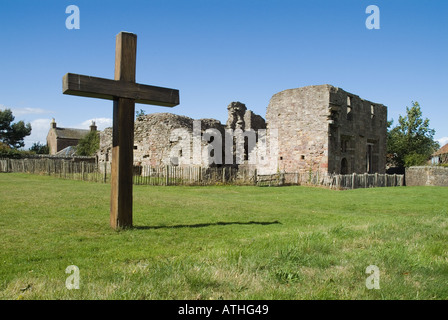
{"x": 326, "y": 129}
{"x": 156, "y": 144}
{"x": 316, "y": 128}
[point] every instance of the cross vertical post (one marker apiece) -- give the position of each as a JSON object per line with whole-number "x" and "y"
{"x": 124, "y": 92}
{"x": 123, "y": 135}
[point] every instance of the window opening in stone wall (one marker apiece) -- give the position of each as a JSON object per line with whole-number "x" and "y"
{"x": 246, "y": 148}
{"x": 344, "y": 144}
{"x": 349, "y": 108}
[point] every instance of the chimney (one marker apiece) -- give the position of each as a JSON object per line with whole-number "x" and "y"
{"x": 53, "y": 124}
{"x": 93, "y": 126}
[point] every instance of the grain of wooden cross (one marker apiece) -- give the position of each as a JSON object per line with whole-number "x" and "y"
{"x": 125, "y": 93}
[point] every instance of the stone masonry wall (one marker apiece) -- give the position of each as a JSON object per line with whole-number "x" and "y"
{"x": 427, "y": 176}
{"x": 316, "y": 128}
{"x": 153, "y": 141}
{"x": 326, "y": 129}
{"x": 357, "y": 133}
{"x": 155, "y": 145}
{"x": 300, "y": 118}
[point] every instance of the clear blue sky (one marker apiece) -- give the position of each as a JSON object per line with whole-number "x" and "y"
{"x": 219, "y": 51}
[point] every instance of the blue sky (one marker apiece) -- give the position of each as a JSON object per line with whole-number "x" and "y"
{"x": 217, "y": 51}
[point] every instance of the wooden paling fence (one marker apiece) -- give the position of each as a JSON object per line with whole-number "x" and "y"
{"x": 143, "y": 175}
{"x": 193, "y": 175}
{"x": 66, "y": 169}
{"x": 332, "y": 181}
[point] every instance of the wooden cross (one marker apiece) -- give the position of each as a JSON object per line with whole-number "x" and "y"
{"x": 125, "y": 93}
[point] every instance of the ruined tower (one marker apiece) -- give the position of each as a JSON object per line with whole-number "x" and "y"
{"x": 324, "y": 128}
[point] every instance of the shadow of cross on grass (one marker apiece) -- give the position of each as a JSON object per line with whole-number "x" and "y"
{"x": 202, "y": 225}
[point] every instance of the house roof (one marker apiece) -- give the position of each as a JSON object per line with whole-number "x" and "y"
{"x": 67, "y": 152}
{"x": 69, "y": 133}
{"x": 442, "y": 150}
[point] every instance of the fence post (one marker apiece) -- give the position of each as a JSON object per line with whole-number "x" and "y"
{"x": 223, "y": 175}
{"x": 353, "y": 180}
{"x": 82, "y": 171}
{"x": 167, "y": 175}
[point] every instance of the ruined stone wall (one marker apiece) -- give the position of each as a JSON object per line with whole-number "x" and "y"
{"x": 152, "y": 135}
{"x": 155, "y": 145}
{"x": 316, "y": 128}
{"x": 323, "y": 128}
{"x": 427, "y": 176}
{"x": 357, "y": 134}
{"x": 154, "y": 141}
{"x": 300, "y": 117}
{"x": 246, "y": 126}
{"x": 169, "y": 139}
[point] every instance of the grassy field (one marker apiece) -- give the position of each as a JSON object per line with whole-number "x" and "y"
{"x": 225, "y": 242}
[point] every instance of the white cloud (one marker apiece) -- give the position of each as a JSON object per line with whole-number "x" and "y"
{"x": 23, "y": 111}
{"x": 101, "y": 123}
{"x": 39, "y": 131}
{"x": 443, "y": 141}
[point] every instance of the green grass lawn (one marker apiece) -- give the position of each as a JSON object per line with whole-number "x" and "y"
{"x": 224, "y": 242}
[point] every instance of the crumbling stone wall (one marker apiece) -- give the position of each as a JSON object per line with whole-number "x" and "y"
{"x": 247, "y": 124}
{"x": 311, "y": 129}
{"x": 325, "y": 129}
{"x": 157, "y": 142}
{"x": 241, "y": 118}
{"x": 153, "y": 140}
{"x": 300, "y": 118}
{"x": 357, "y": 134}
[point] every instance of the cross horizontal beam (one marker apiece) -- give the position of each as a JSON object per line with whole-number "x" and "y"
{"x": 85, "y": 86}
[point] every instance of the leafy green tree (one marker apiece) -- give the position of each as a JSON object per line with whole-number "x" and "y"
{"x": 411, "y": 142}
{"x": 88, "y": 145}
{"x": 13, "y": 134}
{"x": 39, "y": 148}
{"x": 140, "y": 114}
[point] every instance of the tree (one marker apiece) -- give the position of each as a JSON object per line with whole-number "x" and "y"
{"x": 88, "y": 145}
{"x": 12, "y": 134}
{"x": 140, "y": 114}
{"x": 411, "y": 142}
{"x": 39, "y": 148}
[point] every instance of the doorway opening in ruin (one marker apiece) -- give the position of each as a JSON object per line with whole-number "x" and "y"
{"x": 344, "y": 166}
{"x": 369, "y": 160}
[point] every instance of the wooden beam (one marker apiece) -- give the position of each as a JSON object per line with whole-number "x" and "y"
{"x": 122, "y": 164}
{"x": 93, "y": 87}
{"x": 123, "y": 135}
{"x": 125, "y": 56}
